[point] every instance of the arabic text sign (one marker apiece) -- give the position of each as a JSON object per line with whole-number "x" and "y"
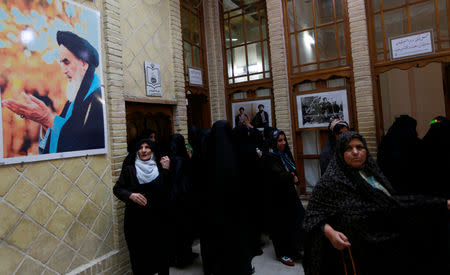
{"x": 411, "y": 45}
{"x": 153, "y": 79}
{"x": 195, "y": 76}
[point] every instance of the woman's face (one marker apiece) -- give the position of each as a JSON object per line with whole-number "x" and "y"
{"x": 152, "y": 137}
{"x": 144, "y": 151}
{"x": 355, "y": 154}
{"x": 281, "y": 142}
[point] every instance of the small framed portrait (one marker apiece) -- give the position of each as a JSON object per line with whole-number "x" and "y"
{"x": 318, "y": 109}
{"x": 258, "y": 112}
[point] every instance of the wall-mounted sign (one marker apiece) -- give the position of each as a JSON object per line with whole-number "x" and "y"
{"x": 152, "y": 79}
{"x": 411, "y": 45}
{"x": 318, "y": 109}
{"x": 195, "y": 76}
{"x": 51, "y": 107}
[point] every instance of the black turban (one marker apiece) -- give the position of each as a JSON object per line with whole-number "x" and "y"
{"x": 80, "y": 47}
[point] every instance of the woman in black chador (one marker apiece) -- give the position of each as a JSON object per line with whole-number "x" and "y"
{"x": 181, "y": 212}
{"x": 435, "y": 168}
{"x": 286, "y": 211}
{"x": 224, "y": 239}
{"x": 436, "y": 158}
{"x": 399, "y": 155}
{"x": 247, "y": 138}
{"x": 355, "y": 220}
{"x": 143, "y": 186}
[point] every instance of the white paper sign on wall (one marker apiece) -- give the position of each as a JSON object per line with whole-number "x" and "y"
{"x": 411, "y": 45}
{"x": 195, "y": 76}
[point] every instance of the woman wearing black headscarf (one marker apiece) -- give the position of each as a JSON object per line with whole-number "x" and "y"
{"x": 247, "y": 138}
{"x": 435, "y": 165}
{"x": 267, "y": 136}
{"x": 399, "y": 155}
{"x": 436, "y": 158}
{"x": 286, "y": 211}
{"x": 224, "y": 239}
{"x": 335, "y": 128}
{"x": 197, "y": 139}
{"x": 181, "y": 211}
{"x": 143, "y": 186}
{"x": 354, "y": 206}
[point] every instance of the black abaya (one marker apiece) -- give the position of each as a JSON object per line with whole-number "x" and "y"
{"x": 181, "y": 209}
{"x": 224, "y": 240}
{"x": 285, "y": 210}
{"x": 145, "y": 227}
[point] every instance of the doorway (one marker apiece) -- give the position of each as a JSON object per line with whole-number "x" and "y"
{"x": 142, "y": 117}
{"x": 198, "y": 111}
{"x": 421, "y": 93}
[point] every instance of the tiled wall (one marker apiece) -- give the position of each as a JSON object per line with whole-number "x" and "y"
{"x": 55, "y": 215}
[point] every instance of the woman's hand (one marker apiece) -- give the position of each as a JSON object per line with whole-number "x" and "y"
{"x": 165, "y": 162}
{"x": 338, "y": 239}
{"x": 138, "y": 198}
{"x": 189, "y": 151}
{"x": 295, "y": 179}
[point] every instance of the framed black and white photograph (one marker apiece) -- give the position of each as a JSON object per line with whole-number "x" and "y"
{"x": 318, "y": 109}
{"x": 258, "y": 112}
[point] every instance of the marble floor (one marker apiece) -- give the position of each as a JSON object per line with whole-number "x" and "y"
{"x": 266, "y": 264}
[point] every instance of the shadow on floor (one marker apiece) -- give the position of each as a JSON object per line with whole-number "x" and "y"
{"x": 266, "y": 264}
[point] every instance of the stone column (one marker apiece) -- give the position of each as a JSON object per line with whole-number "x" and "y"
{"x": 116, "y": 114}
{"x": 365, "y": 108}
{"x": 214, "y": 57}
{"x": 279, "y": 67}
{"x": 180, "y": 118}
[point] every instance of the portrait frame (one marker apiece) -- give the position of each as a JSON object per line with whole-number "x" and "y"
{"x": 251, "y": 108}
{"x": 316, "y": 110}
{"x": 65, "y": 16}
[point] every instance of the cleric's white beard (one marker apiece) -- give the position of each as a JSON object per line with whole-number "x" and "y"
{"x": 72, "y": 89}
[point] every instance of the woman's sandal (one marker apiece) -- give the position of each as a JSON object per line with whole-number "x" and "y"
{"x": 286, "y": 260}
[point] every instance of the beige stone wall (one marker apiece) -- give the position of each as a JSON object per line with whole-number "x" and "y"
{"x": 151, "y": 31}
{"x": 365, "y": 109}
{"x": 145, "y": 34}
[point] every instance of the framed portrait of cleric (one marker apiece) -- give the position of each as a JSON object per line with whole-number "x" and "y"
{"x": 318, "y": 109}
{"x": 257, "y": 112}
{"x": 52, "y": 101}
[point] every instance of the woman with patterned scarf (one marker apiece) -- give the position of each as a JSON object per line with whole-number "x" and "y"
{"x": 286, "y": 212}
{"x": 356, "y": 224}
